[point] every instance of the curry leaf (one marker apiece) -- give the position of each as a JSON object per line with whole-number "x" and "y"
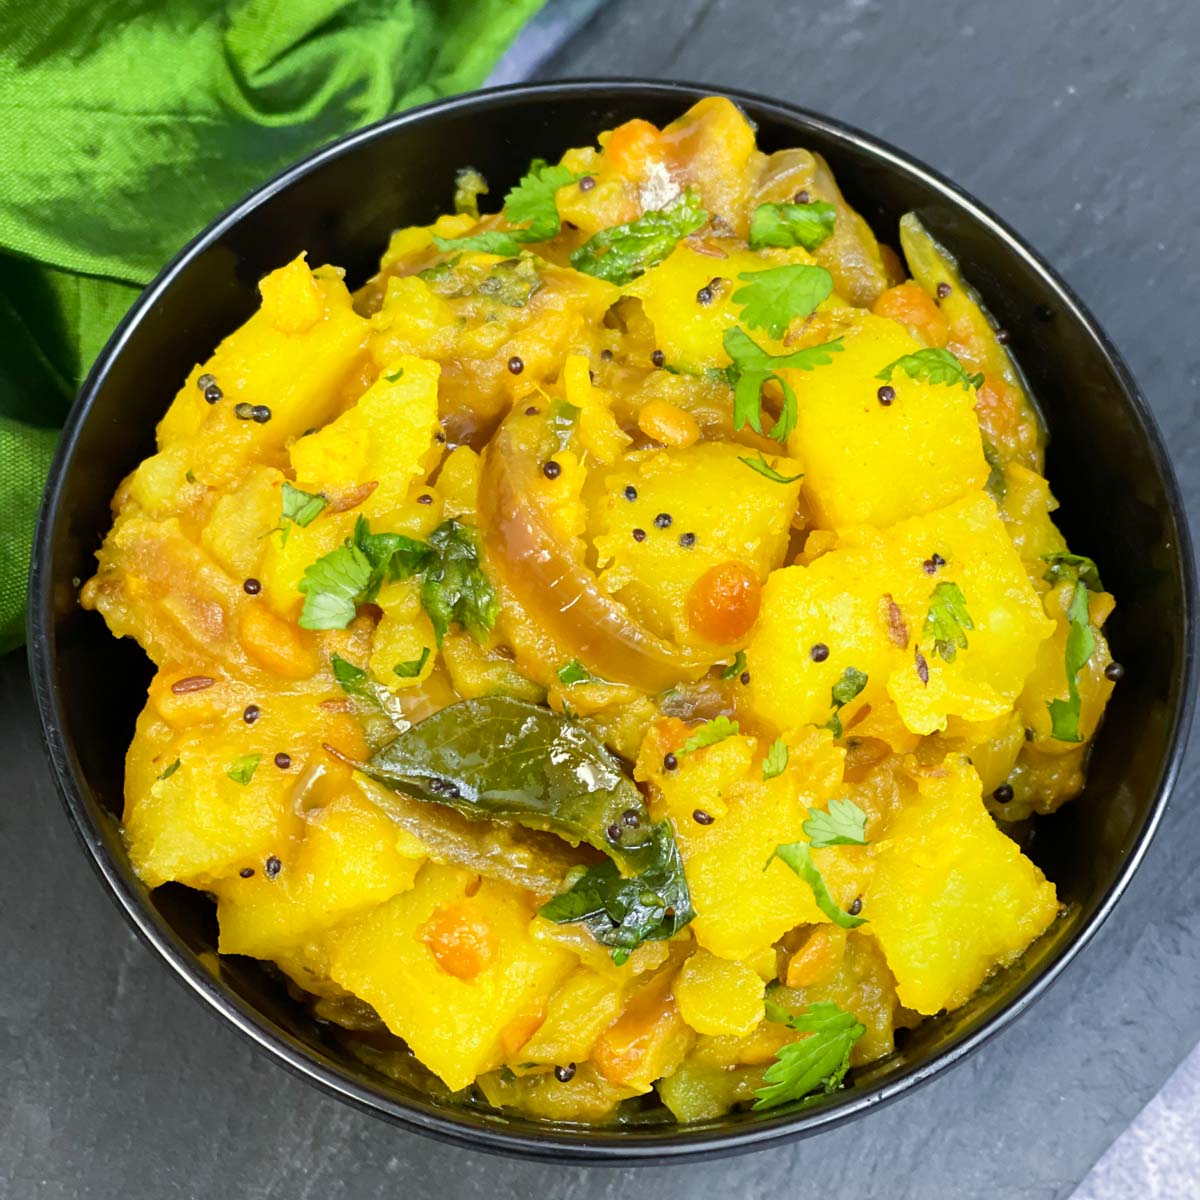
{"x": 503, "y": 759}
{"x": 806, "y": 225}
{"x": 623, "y": 913}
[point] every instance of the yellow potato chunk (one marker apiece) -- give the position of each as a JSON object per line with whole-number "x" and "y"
{"x": 578, "y": 1013}
{"x": 241, "y": 519}
{"x": 952, "y": 897}
{"x": 743, "y": 904}
{"x": 719, "y": 997}
{"x": 296, "y": 375}
{"x": 691, "y": 334}
{"x": 716, "y": 510}
{"x": 451, "y": 1013}
{"x": 386, "y": 438}
{"x": 869, "y": 463}
{"x": 351, "y": 858}
{"x": 868, "y": 601}
{"x": 403, "y": 638}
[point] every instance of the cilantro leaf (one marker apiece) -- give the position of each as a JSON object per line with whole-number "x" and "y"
{"x": 530, "y": 204}
{"x": 845, "y": 824}
{"x": 532, "y": 201}
{"x": 997, "y": 484}
{"x": 241, "y": 770}
{"x": 764, "y": 468}
{"x": 934, "y": 365}
{"x": 169, "y": 771}
{"x": 412, "y": 668}
{"x": 776, "y": 760}
{"x": 947, "y": 620}
{"x": 623, "y": 913}
{"x": 1081, "y": 642}
{"x": 819, "y": 1060}
{"x": 806, "y": 225}
{"x": 623, "y": 252}
{"x": 354, "y": 681}
{"x": 332, "y": 587}
{"x": 574, "y": 672}
{"x": 300, "y": 507}
{"x": 708, "y": 734}
{"x": 455, "y": 587}
{"x": 849, "y": 684}
{"x": 736, "y": 667}
{"x": 1073, "y": 566}
{"x": 797, "y": 856}
{"x": 392, "y": 556}
{"x": 772, "y": 298}
{"x": 751, "y": 366}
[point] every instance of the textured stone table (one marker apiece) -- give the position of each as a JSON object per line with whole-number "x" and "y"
{"x": 1077, "y": 121}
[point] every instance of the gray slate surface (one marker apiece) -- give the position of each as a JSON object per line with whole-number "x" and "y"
{"x": 1078, "y": 122}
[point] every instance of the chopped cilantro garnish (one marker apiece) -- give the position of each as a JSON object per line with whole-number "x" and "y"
{"x": 849, "y": 684}
{"x": 797, "y": 856}
{"x": 169, "y": 771}
{"x": 776, "y": 760}
{"x": 736, "y": 667}
{"x": 1081, "y": 642}
{"x": 242, "y": 770}
{"x": 934, "y": 365}
{"x": 574, "y": 672}
{"x": 708, "y": 734}
{"x": 623, "y": 252}
{"x": 530, "y": 205}
{"x": 818, "y": 1061}
{"x": 845, "y": 824}
{"x": 773, "y": 298}
{"x": 412, "y": 668}
{"x": 806, "y": 225}
{"x": 1073, "y": 566}
{"x": 752, "y": 366}
{"x": 354, "y": 681}
{"x": 469, "y": 185}
{"x": 454, "y": 588}
{"x": 765, "y": 469}
{"x": 947, "y": 620}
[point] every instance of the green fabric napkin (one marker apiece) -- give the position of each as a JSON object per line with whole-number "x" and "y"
{"x": 127, "y": 125}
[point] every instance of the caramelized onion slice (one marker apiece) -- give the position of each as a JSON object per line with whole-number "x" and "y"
{"x": 558, "y": 593}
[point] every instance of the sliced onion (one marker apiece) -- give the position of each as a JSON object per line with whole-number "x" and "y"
{"x": 558, "y": 593}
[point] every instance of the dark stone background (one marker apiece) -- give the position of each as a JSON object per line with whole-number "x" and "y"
{"x": 1079, "y": 122}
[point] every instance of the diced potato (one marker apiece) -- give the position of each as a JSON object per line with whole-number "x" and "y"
{"x": 648, "y": 1041}
{"x": 577, "y": 1014}
{"x": 285, "y": 560}
{"x": 458, "y": 482}
{"x": 241, "y": 519}
{"x": 385, "y": 438}
{"x": 743, "y": 904}
{"x": 586, "y": 1096}
{"x": 453, "y": 1025}
{"x": 691, "y": 334}
{"x": 870, "y": 463}
{"x": 951, "y": 896}
{"x": 868, "y": 600}
{"x": 717, "y": 996}
{"x": 701, "y": 1092}
{"x": 731, "y": 513}
{"x": 599, "y": 433}
{"x": 297, "y": 376}
{"x": 349, "y": 860}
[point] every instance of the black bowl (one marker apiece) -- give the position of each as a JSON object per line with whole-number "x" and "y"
{"x": 1106, "y": 462}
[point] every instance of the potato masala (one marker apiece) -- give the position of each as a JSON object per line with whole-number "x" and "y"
{"x": 602, "y": 661}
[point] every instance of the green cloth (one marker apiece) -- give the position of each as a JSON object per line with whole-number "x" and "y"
{"x": 127, "y": 125}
